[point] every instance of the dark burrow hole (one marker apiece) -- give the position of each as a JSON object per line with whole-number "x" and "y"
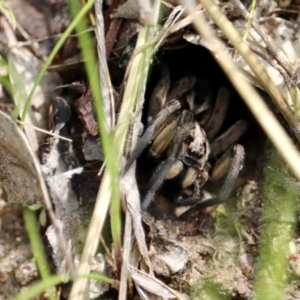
{"x": 199, "y": 62}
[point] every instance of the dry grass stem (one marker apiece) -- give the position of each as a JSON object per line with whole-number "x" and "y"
{"x": 277, "y": 53}
{"x": 134, "y": 92}
{"x": 154, "y": 285}
{"x": 106, "y": 87}
{"x": 45, "y": 131}
{"x": 127, "y": 243}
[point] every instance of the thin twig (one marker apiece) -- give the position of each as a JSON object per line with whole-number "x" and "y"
{"x": 106, "y": 87}
{"x": 125, "y": 257}
{"x": 45, "y": 131}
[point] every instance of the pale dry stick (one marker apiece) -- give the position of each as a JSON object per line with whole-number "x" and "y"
{"x": 105, "y": 82}
{"x": 106, "y": 87}
{"x": 53, "y": 36}
{"x": 171, "y": 26}
{"x": 181, "y": 24}
{"x": 133, "y": 225}
{"x": 133, "y": 93}
{"x": 255, "y": 103}
{"x": 9, "y": 32}
{"x": 154, "y": 285}
{"x": 277, "y": 53}
{"x": 167, "y": 4}
{"x": 172, "y": 18}
{"x": 133, "y": 206}
{"x": 138, "y": 73}
{"x": 284, "y": 10}
{"x": 125, "y": 256}
{"x": 249, "y": 20}
{"x": 256, "y": 67}
{"x": 45, "y": 131}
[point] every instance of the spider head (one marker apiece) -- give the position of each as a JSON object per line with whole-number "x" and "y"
{"x": 197, "y": 148}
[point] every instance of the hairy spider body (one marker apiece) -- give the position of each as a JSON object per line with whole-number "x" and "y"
{"x": 194, "y": 150}
{"x": 177, "y": 140}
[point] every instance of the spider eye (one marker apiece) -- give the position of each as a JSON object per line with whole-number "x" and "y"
{"x": 190, "y": 152}
{"x": 189, "y": 139}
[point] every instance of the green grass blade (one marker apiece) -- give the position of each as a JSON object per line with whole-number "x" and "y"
{"x": 32, "y": 228}
{"x": 99, "y": 277}
{"x": 38, "y": 288}
{"x": 88, "y": 52}
{"x": 10, "y": 15}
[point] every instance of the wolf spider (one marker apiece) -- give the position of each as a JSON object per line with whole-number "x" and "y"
{"x": 176, "y": 139}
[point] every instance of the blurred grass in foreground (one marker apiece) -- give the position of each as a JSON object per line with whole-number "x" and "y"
{"x": 279, "y": 221}
{"x": 273, "y": 275}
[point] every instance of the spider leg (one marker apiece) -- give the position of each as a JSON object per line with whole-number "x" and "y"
{"x": 159, "y": 95}
{"x": 181, "y": 86}
{"x": 219, "y": 113}
{"x": 161, "y": 118}
{"x": 174, "y": 151}
{"x": 228, "y": 138}
{"x": 233, "y": 161}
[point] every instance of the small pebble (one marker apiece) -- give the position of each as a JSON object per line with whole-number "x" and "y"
{"x": 3, "y": 275}
{"x": 26, "y": 273}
